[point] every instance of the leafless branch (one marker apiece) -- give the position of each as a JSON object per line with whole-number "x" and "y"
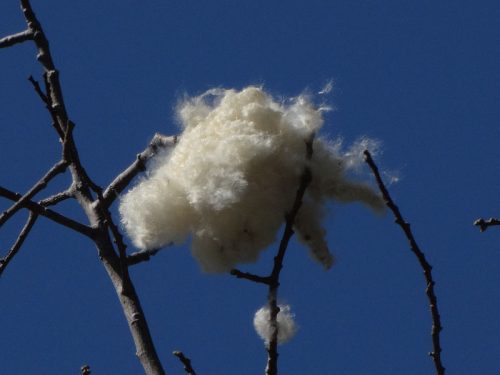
{"x": 250, "y": 276}
{"x": 130, "y": 303}
{"x": 38, "y": 90}
{"x": 83, "y": 189}
{"x": 57, "y": 198}
{"x": 45, "y": 58}
{"x": 123, "y": 179}
{"x": 141, "y": 256}
{"x": 21, "y": 37}
{"x": 50, "y": 214}
{"x": 485, "y": 224}
{"x": 118, "y": 241}
{"x": 48, "y": 105}
{"x": 58, "y": 168}
{"x": 273, "y": 280}
{"x": 426, "y": 267}
{"x": 272, "y": 298}
{"x": 186, "y": 362}
{"x": 4, "y": 262}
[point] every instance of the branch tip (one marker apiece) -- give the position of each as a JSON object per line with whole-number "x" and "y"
{"x": 185, "y": 361}
{"x": 426, "y": 267}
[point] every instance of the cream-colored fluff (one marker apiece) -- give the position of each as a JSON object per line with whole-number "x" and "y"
{"x": 285, "y": 320}
{"x": 234, "y": 174}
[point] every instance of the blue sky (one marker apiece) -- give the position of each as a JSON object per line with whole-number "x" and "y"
{"x": 420, "y": 76}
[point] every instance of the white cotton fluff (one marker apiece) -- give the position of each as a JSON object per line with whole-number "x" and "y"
{"x": 286, "y": 324}
{"x": 234, "y": 174}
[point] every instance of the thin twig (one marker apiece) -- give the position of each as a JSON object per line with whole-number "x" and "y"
{"x": 186, "y": 362}
{"x": 4, "y": 262}
{"x": 82, "y": 187}
{"x": 58, "y": 168}
{"x": 118, "y": 241}
{"x": 272, "y": 350}
{"x": 38, "y": 90}
{"x": 123, "y": 179}
{"x": 57, "y": 198}
{"x": 85, "y": 370}
{"x": 141, "y": 256}
{"x": 48, "y": 105}
{"x": 52, "y": 200}
{"x": 485, "y": 224}
{"x": 426, "y": 267}
{"x": 250, "y": 276}
{"x": 273, "y": 280}
{"x": 50, "y": 214}
{"x": 20, "y": 37}
{"x": 57, "y": 108}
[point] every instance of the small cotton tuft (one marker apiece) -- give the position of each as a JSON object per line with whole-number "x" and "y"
{"x": 286, "y": 324}
{"x": 233, "y": 175}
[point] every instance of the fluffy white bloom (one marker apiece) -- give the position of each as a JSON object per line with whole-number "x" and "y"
{"x": 234, "y": 174}
{"x": 286, "y": 324}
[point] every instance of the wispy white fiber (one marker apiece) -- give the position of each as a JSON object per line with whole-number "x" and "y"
{"x": 234, "y": 174}
{"x": 286, "y": 324}
{"x": 327, "y": 88}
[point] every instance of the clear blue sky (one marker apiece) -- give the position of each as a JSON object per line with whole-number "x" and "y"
{"x": 421, "y": 76}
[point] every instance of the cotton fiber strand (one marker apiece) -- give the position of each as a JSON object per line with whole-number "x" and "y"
{"x": 286, "y": 324}
{"x": 234, "y": 174}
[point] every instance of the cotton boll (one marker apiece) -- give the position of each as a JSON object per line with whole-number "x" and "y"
{"x": 233, "y": 175}
{"x": 286, "y": 324}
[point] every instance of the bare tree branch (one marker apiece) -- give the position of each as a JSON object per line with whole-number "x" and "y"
{"x": 4, "y": 262}
{"x": 52, "y": 215}
{"x": 273, "y": 280}
{"x": 250, "y": 276}
{"x": 21, "y": 37}
{"x": 48, "y": 105}
{"x": 141, "y": 256}
{"x": 57, "y": 198}
{"x": 38, "y": 90}
{"x": 186, "y": 362}
{"x": 118, "y": 241}
{"x": 426, "y": 267}
{"x": 57, "y": 108}
{"x": 130, "y": 303}
{"x": 123, "y": 179}
{"x": 97, "y": 213}
{"x": 272, "y": 298}
{"x": 485, "y": 224}
{"x": 45, "y": 58}
{"x": 58, "y": 168}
